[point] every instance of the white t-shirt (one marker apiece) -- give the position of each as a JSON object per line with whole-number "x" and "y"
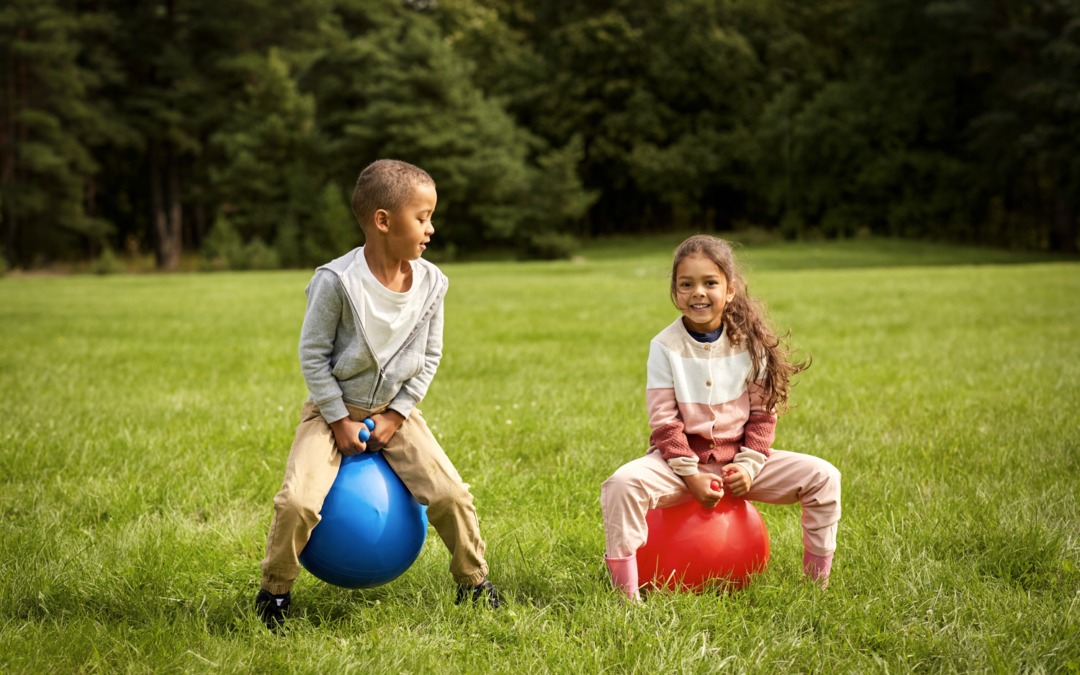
{"x": 389, "y": 317}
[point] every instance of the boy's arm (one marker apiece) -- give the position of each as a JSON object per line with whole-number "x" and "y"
{"x": 415, "y": 388}
{"x": 317, "y": 344}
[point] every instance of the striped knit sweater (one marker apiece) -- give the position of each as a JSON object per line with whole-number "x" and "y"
{"x": 702, "y": 406}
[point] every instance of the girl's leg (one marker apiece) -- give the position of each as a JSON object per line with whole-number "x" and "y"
{"x": 790, "y": 477}
{"x": 645, "y": 483}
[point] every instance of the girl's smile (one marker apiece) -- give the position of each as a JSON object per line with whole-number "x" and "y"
{"x": 702, "y": 293}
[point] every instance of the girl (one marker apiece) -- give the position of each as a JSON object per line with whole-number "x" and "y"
{"x": 716, "y": 378}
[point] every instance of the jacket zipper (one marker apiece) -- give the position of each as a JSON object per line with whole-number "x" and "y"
{"x": 412, "y": 336}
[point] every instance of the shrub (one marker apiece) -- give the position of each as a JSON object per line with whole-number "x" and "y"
{"x": 223, "y": 248}
{"x": 257, "y": 255}
{"x": 108, "y": 263}
{"x": 550, "y": 246}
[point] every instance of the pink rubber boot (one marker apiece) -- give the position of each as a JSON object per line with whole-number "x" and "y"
{"x": 624, "y": 576}
{"x": 817, "y": 567}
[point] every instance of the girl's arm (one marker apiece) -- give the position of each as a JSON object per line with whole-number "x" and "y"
{"x": 758, "y": 434}
{"x": 761, "y": 427}
{"x": 668, "y": 434}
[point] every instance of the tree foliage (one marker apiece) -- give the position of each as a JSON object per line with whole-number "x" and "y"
{"x": 137, "y": 125}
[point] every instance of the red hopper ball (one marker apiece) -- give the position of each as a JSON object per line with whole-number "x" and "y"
{"x": 689, "y": 544}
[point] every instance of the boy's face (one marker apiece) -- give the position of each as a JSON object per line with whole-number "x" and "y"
{"x": 409, "y": 229}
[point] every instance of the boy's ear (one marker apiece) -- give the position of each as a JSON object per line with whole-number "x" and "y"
{"x": 382, "y": 221}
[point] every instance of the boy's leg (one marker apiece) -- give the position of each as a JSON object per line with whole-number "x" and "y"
{"x": 636, "y": 487}
{"x": 790, "y": 477}
{"x": 310, "y": 471}
{"x": 423, "y": 466}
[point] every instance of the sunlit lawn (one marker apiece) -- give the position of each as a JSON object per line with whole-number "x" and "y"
{"x": 145, "y": 421}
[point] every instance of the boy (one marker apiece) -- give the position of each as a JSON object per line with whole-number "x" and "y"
{"x": 371, "y": 341}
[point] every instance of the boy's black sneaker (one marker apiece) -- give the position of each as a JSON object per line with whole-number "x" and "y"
{"x": 481, "y": 589}
{"x": 271, "y": 608}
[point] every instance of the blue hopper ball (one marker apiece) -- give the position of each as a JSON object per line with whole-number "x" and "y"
{"x": 372, "y": 529}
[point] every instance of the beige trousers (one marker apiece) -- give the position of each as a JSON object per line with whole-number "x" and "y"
{"x": 787, "y": 477}
{"x": 418, "y": 460}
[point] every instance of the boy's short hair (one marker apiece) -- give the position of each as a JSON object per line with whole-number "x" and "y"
{"x": 385, "y": 184}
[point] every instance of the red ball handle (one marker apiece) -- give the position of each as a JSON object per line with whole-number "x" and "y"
{"x": 715, "y": 485}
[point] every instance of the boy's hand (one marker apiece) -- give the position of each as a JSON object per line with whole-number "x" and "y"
{"x": 700, "y": 487}
{"x": 347, "y": 436}
{"x": 386, "y": 425}
{"x": 737, "y": 479}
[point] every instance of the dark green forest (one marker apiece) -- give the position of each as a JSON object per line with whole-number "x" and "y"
{"x": 234, "y": 129}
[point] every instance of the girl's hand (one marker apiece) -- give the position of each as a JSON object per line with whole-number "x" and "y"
{"x": 737, "y": 479}
{"x": 386, "y": 425}
{"x": 700, "y": 485}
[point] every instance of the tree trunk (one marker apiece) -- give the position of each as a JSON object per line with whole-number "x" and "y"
{"x": 167, "y": 217}
{"x": 91, "y": 212}
{"x": 1063, "y": 233}
{"x": 157, "y": 205}
{"x": 175, "y": 229}
{"x": 198, "y": 233}
{"x": 7, "y": 161}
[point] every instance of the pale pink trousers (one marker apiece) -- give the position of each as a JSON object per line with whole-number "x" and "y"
{"x": 787, "y": 477}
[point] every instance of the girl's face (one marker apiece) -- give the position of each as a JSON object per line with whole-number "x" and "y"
{"x": 701, "y": 292}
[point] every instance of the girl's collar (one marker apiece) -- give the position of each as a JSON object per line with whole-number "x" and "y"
{"x": 720, "y": 344}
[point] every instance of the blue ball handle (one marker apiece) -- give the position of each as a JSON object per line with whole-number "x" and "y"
{"x": 365, "y": 431}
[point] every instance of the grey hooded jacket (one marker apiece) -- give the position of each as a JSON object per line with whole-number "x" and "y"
{"x": 339, "y": 366}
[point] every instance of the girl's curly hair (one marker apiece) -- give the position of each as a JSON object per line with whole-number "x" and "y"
{"x": 745, "y": 322}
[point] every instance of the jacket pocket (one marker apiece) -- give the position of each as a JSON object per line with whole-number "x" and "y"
{"x": 352, "y": 364}
{"x": 411, "y": 365}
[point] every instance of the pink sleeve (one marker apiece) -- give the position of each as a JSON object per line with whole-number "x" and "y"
{"x": 668, "y": 433}
{"x": 760, "y": 431}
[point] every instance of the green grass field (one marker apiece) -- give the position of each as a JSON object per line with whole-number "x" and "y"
{"x": 145, "y": 422}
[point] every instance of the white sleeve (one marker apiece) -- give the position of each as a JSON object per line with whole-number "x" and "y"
{"x": 684, "y": 466}
{"x": 751, "y": 460}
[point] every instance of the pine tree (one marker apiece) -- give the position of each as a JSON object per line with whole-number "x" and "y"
{"x": 332, "y": 231}
{"x": 387, "y": 85}
{"x": 270, "y": 149}
{"x": 185, "y": 63}
{"x": 49, "y": 122}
